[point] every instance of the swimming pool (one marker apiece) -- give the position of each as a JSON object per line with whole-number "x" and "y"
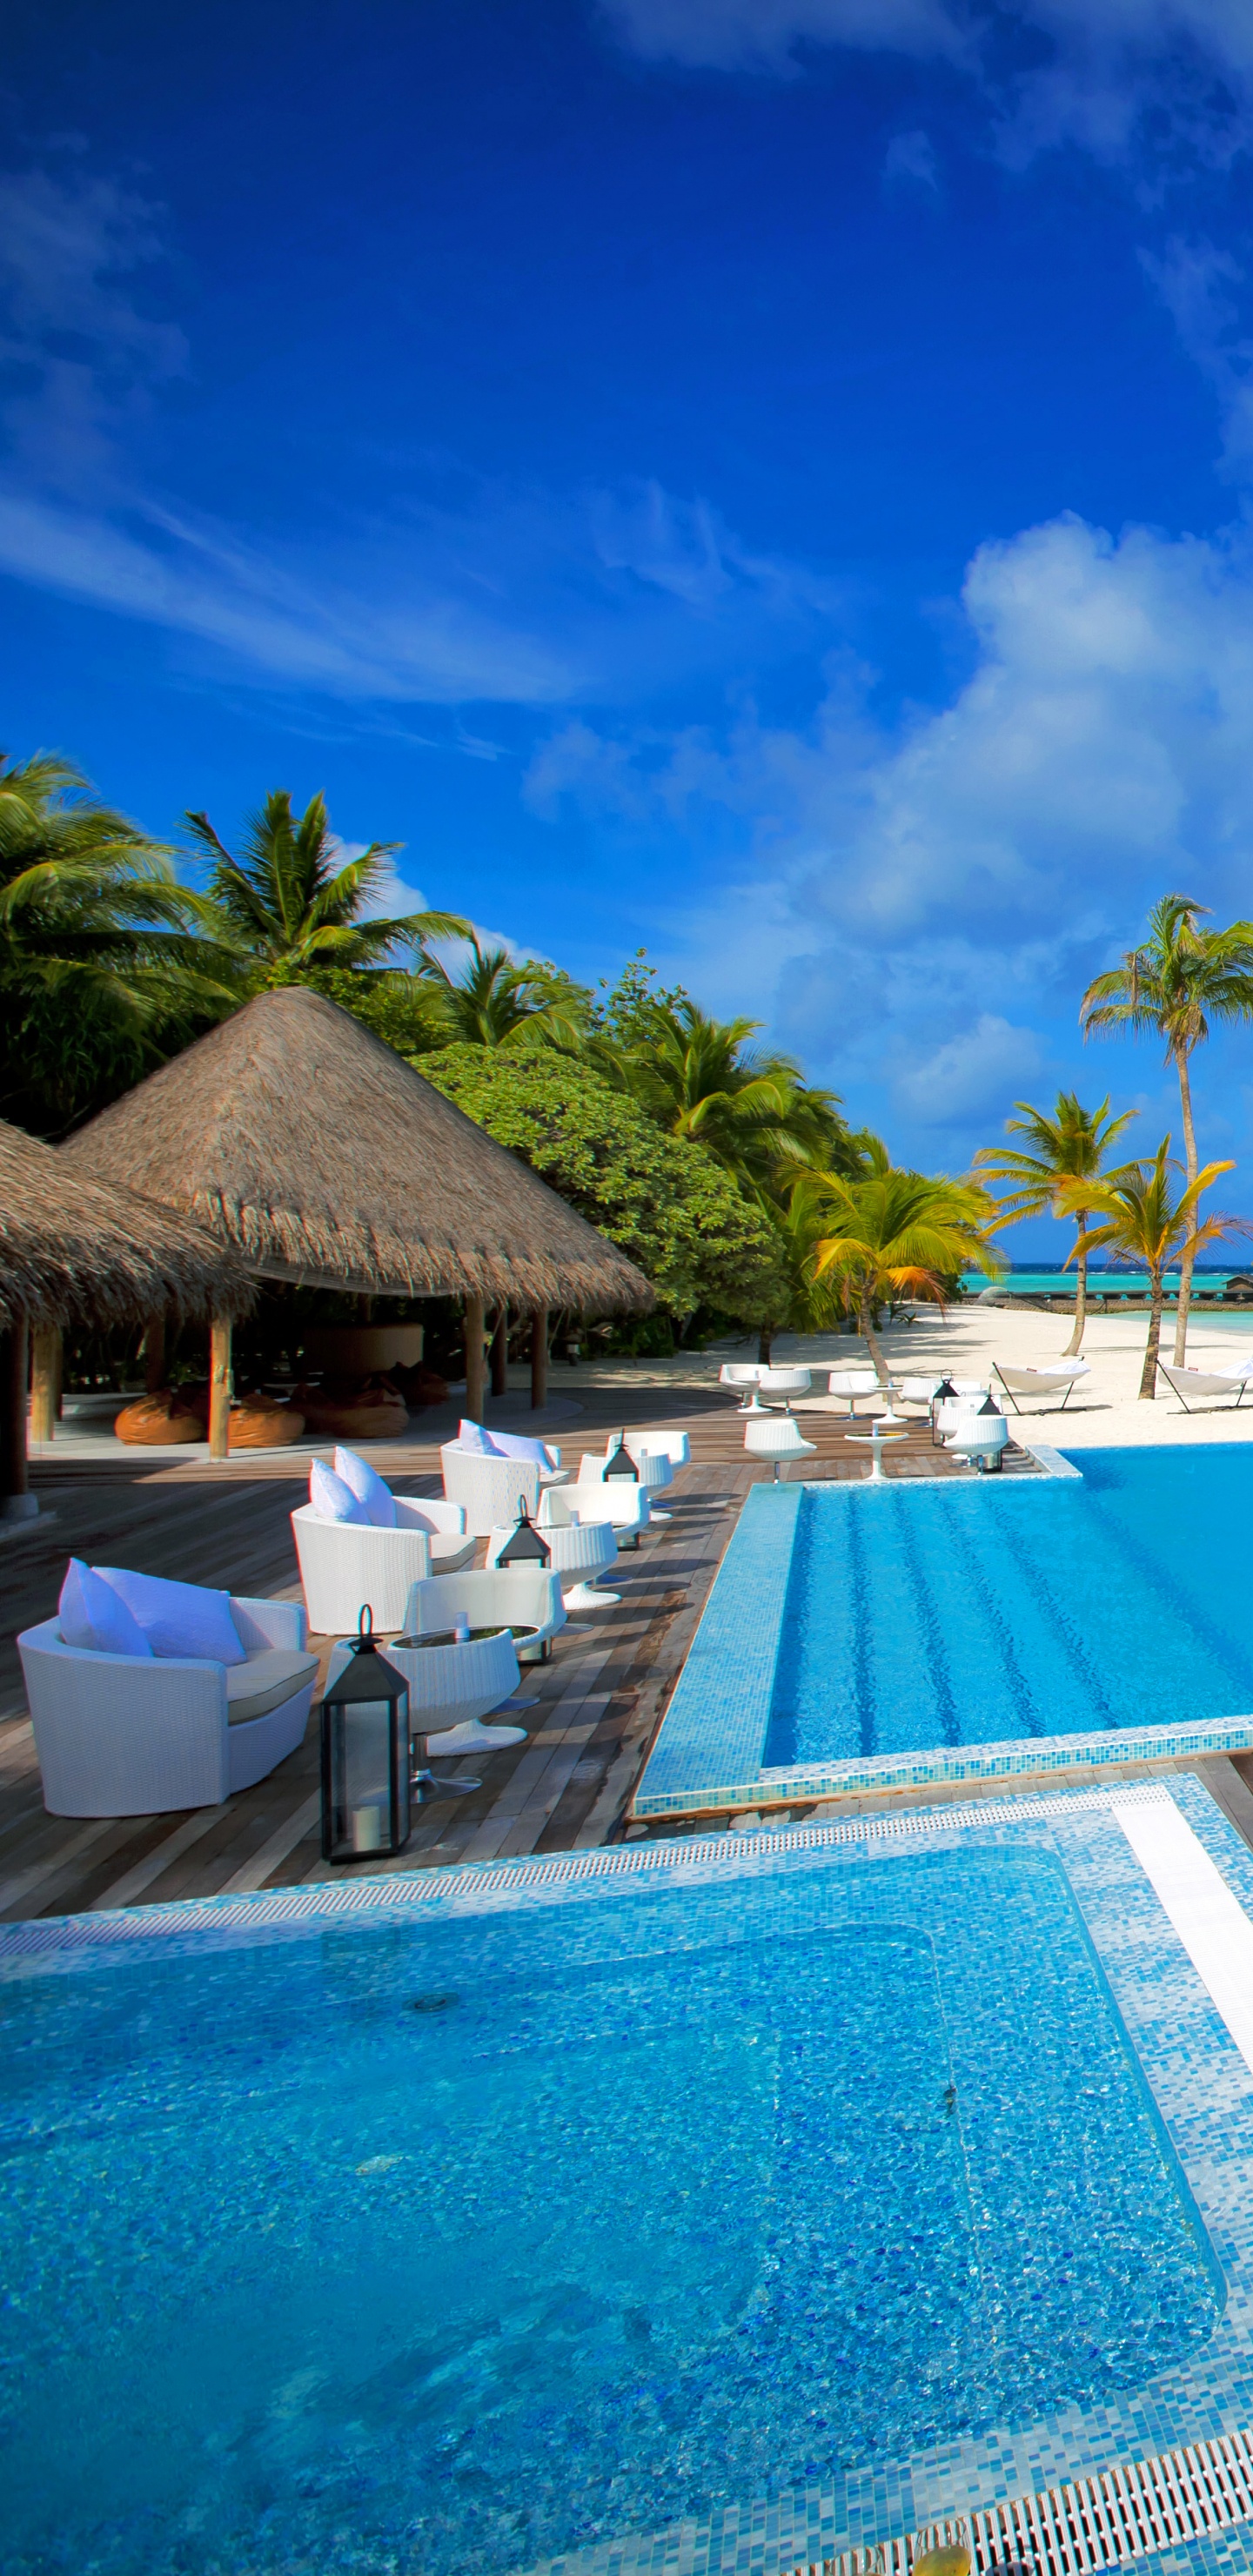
{"x": 433, "y": 2226}
{"x": 939, "y": 1629}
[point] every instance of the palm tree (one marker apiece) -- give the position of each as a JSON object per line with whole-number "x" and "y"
{"x": 890, "y": 1232}
{"x": 1071, "y": 1144}
{"x": 701, "y": 1079}
{"x": 1179, "y": 980}
{"x": 100, "y": 970}
{"x": 288, "y": 911}
{"x": 493, "y": 998}
{"x": 1142, "y": 1222}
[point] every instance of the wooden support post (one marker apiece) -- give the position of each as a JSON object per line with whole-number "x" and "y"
{"x": 17, "y": 1503}
{"x": 45, "y": 1382}
{"x": 476, "y": 1374}
{"x": 500, "y": 1352}
{"x": 539, "y": 1358}
{"x": 219, "y": 1387}
{"x": 154, "y": 1355}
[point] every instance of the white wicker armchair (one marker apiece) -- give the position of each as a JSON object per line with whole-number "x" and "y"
{"x": 489, "y": 1490}
{"x": 514, "y": 1595}
{"x": 131, "y": 1735}
{"x": 346, "y": 1563}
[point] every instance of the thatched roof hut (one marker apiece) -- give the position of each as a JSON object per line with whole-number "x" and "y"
{"x": 75, "y": 1250}
{"x": 325, "y": 1159}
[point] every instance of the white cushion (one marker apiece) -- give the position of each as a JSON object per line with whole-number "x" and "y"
{"x": 178, "y": 1618}
{"x": 472, "y": 1436}
{"x": 92, "y": 1615}
{"x": 332, "y": 1499}
{"x": 517, "y": 1444}
{"x": 268, "y": 1678}
{"x": 376, "y": 1499}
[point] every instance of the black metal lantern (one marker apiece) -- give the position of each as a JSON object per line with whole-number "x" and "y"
{"x": 526, "y": 1547}
{"x": 989, "y": 1464}
{"x": 365, "y": 1756}
{"x": 944, "y": 1394}
{"x": 622, "y": 1466}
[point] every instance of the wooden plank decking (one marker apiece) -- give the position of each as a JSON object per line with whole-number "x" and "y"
{"x": 597, "y": 1703}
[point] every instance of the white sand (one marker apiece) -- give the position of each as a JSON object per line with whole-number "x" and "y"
{"x": 1105, "y": 1410}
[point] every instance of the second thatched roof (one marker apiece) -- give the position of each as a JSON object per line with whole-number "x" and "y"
{"x": 324, "y": 1158}
{"x": 75, "y": 1251}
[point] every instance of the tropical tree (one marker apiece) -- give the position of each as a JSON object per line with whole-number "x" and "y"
{"x": 1141, "y": 1220}
{"x": 1070, "y": 1143}
{"x": 889, "y": 1232}
{"x": 703, "y": 1079}
{"x": 666, "y": 1202}
{"x": 1174, "y": 985}
{"x": 493, "y": 998}
{"x": 101, "y": 973}
{"x": 287, "y": 910}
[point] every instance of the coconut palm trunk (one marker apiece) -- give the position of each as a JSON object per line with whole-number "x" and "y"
{"x": 1075, "y": 1344}
{"x": 1191, "y": 1167}
{"x": 1157, "y": 1295}
{"x": 865, "y": 1326}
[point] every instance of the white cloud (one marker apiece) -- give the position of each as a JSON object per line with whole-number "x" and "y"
{"x": 910, "y": 162}
{"x": 1107, "y": 63}
{"x": 968, "y": 872}
{"x": 973, "y": 1075}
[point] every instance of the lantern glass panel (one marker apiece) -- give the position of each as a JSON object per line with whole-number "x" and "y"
{"x": 365, "y": 1762}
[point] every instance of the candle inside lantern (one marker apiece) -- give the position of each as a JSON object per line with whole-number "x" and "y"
{"x": 367, "y": 1829}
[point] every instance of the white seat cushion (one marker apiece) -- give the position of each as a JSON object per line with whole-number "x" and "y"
{"x": 268, "y": 1678}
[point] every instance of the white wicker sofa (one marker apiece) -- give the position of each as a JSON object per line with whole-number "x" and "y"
{"x": 345, "y": 1563}
{"x": 121, "y": 1735}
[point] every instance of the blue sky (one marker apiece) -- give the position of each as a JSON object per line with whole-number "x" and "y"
{"x": 766, "y": 480}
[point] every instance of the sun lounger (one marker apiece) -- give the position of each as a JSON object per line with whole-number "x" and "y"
{"x": 1059, "y": 1379}
{"x": 1193, "y": 1386}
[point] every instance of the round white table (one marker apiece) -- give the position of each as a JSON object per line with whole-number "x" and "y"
{"x": 877, "y": 1439}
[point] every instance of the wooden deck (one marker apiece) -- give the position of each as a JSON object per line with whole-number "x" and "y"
{"x": 597, "y": 1704}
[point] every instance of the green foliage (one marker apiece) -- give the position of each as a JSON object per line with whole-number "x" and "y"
{"x": 285, "y": 908}
{"x": 400, "y": 1009}
{"x": 669, "y": 1206}
{"x": 101, "y": 975}
{"x": 494, "y": 999}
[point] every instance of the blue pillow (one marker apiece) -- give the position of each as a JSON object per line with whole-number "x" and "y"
{"x": 331, "y": 1498}
{"x": 471, "y": 1435}
{"x": 178, "y": 1618}
{"x": 92, "y": 1614}
{"x": 514, "y": 1444}
{"x": 376, "y": 1499}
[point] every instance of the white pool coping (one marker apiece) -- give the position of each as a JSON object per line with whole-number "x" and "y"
{"x": 1211, "y": 1923}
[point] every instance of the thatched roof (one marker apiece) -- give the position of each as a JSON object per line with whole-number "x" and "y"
{"x": 75, "y": 1250}
{"x": 326, "y": 1159}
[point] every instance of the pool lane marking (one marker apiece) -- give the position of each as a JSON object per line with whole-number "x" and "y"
{"x": 1210, "y": 1921}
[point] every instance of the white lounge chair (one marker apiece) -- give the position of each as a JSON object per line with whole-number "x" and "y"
{"x": 781, "y": 1384}
{"x": 1061, "y": 1377}
{"x": 919, "y": 1390}
{"x": 516, "y": 1596}
{"x": 121, "y": 1735}
{"x": 489, "y": 1490}
{"x": 777, "y": 1437}
{"x": 743, "y": 1377}
{"x": 1195, "y": 1386}
{"x": 580, "y": 1548}
{"x": 673, "y": 1445}
{"x": 979, "y": 1437}
{"x": 852, "y": 1383}
{"x": 345, "y": 1563}
{"x": 618, "y": 1499}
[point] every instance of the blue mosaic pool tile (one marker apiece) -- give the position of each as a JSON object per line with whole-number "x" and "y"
{"x": 722, "y": 1700}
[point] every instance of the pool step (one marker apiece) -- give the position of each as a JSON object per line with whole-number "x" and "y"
{"x": 1161, "y": 2503}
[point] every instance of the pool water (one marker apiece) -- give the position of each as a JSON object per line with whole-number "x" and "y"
{"x": 972, "y": 1614}
{"x": 413, "y": 2247}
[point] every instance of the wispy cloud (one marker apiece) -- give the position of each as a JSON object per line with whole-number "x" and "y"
{"x": 1096, "y": 73}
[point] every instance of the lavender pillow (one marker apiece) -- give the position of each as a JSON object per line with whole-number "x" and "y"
{"x": 472, "y": 1436}
{"x": 331, "y": 1498}
{"x": 93, "y": 1615}
{"x": 178, "y": 1618}
{"x": 376, "y": 1499}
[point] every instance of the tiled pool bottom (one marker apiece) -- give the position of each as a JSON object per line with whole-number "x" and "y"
{"x": 892, "y": 1636}
{"x": 713, "y": 2205}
